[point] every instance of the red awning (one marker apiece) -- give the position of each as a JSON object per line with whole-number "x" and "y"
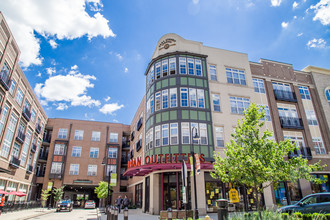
{"x": 3, "y": 192}
{"x": 19, "y": 194}
{"x": 146, "y": 169}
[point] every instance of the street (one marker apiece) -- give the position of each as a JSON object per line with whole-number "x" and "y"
{"x": 89, "y": 214}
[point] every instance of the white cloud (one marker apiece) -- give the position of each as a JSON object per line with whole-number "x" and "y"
{"x": 195, "y": 2}
{"x": 115, "y": 120}
{"x": 294, "y": 17}
{"x": 58, "y": 19}
{"x": 276, "y": 3}
{"x": 322, "y": 12}
{"x": 53, "y": 44}
{"x": 126, "y": 70}
{"x": 107, "y": 98}
{"x": 50, "y": 70}
{"x": 62, "y": 106}
{"x": 39, "y": 74}
{"x": 299, "y": 34}
{"x": 317, "y": 43}
{"x": 120, "y": 57}
{"x": 70, "y": 88}
{"x": 110, "y": 108}
{"x": 295, "y": 5}
{"x": 74, "y": 67}
{"x": 285, "y": 24}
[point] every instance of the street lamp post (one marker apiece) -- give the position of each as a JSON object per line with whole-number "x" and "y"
{"x": 195, "y": 137}
{"x": 109, "y": 181}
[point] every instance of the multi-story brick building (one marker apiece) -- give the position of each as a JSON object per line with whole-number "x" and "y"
{"x": 22, "y": 121}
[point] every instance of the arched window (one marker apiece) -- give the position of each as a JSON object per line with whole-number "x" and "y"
{"x": 327, "y": 94}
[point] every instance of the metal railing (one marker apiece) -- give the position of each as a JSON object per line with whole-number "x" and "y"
{"x": 283, "y": 95}
{"x": 5, "y": 80}
{"x": 34, "y": 148}
{"x": 16, "y": 206}
{"x": 305, "y": 152}
{"x": 290, "y": 122}
{"x": 20, "y": 137}
{"x": 38, "y": 128}
{"x": 29, "y": 169}
{"x": 14, "y": 162}
{"x": 26, "y": 114}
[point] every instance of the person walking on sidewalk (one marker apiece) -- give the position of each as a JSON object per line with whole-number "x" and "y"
{"x": 119, "y": 201}
{"x": 126, "y": 202}
{"x": 2, "y": 202}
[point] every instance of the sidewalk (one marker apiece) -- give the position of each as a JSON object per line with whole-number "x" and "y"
{"x": 26, "y": 213}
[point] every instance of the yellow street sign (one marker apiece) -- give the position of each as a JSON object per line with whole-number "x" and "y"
{"x": 233, "y": 196}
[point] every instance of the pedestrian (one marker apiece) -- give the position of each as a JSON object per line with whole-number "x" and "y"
{"x": 119, "y": 202}
{"x": 2, "y": 202}
{"x": 126, "y": 202}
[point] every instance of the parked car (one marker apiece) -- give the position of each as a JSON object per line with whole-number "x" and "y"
{"x": 90, "y": 204}
{"x": 313, "y": 203}
{"x": 64, "y": 205}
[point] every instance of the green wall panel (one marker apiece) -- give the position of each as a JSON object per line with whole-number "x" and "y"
{"x": 158, "y": 118}
{"x": 157, "y": 150}
{"x": 165, "y": 116}
{"x": 199, "y": 82}
{"x": 205, "y": 83}
{"x": 172, "y": 81}
{"x": 208, "y": 118}
{"x": 158, "y": 85}
{"x": 192, "y": 82}
{"x": 193, "y": 115}
{"x": 164, "y": 83}
{"x": 209, "y": 133}
{"x": 185, "y": 114}
{"x": 173, "y": 115}
{"x": 196, "y": 150}
{"x": 207, "y": 104}
{"x": 166, "y": 150}
{"x": 202, "y": 116}
{"x": 185, "y": 149}
{"x": 151, "y": 120}
{"x": 174, "y": 149}
{"x": 204, "y": 68}
{"x": 205, "y": 151}
{"x": 183, "y": 81}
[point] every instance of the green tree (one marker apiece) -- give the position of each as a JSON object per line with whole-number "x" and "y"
{"x": 102, "y": 190}
{"x": 253, "y": 159}
{"x": 44, "y": 196}
{"x": 58, "y": 193}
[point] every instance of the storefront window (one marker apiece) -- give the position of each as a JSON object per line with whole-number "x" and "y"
{"x": 324, "y": 187}
{"x": 138, "y": 195}
{"x": 293, "y": 192}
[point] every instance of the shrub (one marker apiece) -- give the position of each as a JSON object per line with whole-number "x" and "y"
{"x": 307, "y": 217}
{"x": 298, "y": 214}
{"x": 285, "y": 215}
{"x": 327, "y": 216}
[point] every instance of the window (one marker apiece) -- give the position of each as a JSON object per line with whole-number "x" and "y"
{"x": 318, "y": 146}
{"x": 112, "y": 153}
{"x": 185, "y": 133}
{"x": 193, "y": 97}
{"x": 113, "y": 137}
{"x": 78, "y": 135}
{"x": 311, "y": 117}
{"x": 173, "y": 97}
{"x": 200, "y": 97}
{"x": 12, "y": 87}
{"x": 198, "y": 67}
{"x": 152, "y": 104}
{"x": 238, "y": 105}
{"x": 27, "y": 105}
{"x": 112, "y": 169}
{"x": 165, "y": 98}
{"x": 33, "y": 115}
{"x": 19, "y": 96}
{"x": 184, "y": 97}
{"x": 158, "y": 70}
{"x": 327, "y": 95}
{"x": 76, "y": 151}
{"x": 267, "y": 113}
{"x": 213, "y": 72}
{"x": 158, "y": 101}
{"x": 219, "y": 136}
{"x": 74, "y": 169}
{"x": 216, "y": 102}
{"x": 165, "y": 67}
{"x": 94, "y": 152}
{"x": 235, "y": 76}
{"x": 174, "y": 133}
{"x": 149, "y": 139}
{"x": 191, "y": 66}
{"x": 287, "y": 112}
{"x": 3, "y": 117}
{"x": 16, "y": 150}
{"x": 25, "y": 147}
{"x": 92, "y": 170}
{"x": 172, "y": 66}
{"x": 194, "y": 132}
{"x": 5, "y": 71}
{"x": 165, "y": 134}
{"x": 9, "y": 135}
{"x": 96, "y": 135}
{"x": 59, "y": 149}
{"x": 157, "y": 135}
{"x": 304, "y": 92}
{"x": 259, "y": 85}
{"x": 56, "y": 168}
{"x": 62, "y": 133}
{"x": 182, "y": 63}
{"x": 203, "y": 133}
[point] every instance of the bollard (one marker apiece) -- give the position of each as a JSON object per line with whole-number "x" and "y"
{"x": 126, "y": 213}
{"x": 108, "y": 212}
{"x": 169, "y": 214}
{"x": 223, "y": 209}
{"x": 112, "y": 213}
{"x": 116, "y": 214}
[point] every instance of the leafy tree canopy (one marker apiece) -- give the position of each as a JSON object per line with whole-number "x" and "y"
{"x": 102, "y": 190}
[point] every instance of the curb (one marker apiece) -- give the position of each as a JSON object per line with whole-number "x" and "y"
{"x": 98, "y": 214}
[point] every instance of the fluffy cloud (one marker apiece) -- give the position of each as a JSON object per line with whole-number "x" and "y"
{"x": 110, "y": 108}
{"x": 70, "y": 88}
{"x": 317, "y": 43}
{"x": 50, "y": 70}
{"x": 107, "y": 98}
{"x": 58, "y": 19}
{"x": 53, "y": 44}
{"x": 62, "y": 106}
{"x": 126, "y": 70}
{"x": 322, "y": 12}
{"x": 299, "y": 34}
{"x": 284, "y": 24}
{"x": 295, "y": 5}
{"x": 276, "y": 3}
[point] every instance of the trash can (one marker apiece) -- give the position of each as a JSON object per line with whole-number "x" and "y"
{"x": 222, "y": 209}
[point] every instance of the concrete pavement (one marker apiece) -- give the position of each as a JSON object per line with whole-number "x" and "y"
{"x": 26, "y": 213}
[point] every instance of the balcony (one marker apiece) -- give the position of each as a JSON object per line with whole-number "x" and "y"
{"x": 55, "y": 176}
{"x": 287, "y": 96}
{"x": 5, "y": 80}
{"x": 29, "y": 169}
{"x": 126, "y": 144}
{"x": 124, "y": 160}
{"x": 139, "y": 124}
{"x": 305, "y": 153}
{"x": 26, "y": 114}
{"x": 38, "y": 128}
{"x": 20, "y": 137}
{"x": 14, "y": 162}
{"x": 46, "y": 138}
{"x": 293, "y": 123}
{"x": 43, "y": 156}
{"x": 33, "y": 148}
{"x": 138, "y": 145}
{"x": 132, "y": 135}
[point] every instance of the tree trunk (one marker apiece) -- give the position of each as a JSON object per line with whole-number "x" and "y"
{"x": 256, "y": 192}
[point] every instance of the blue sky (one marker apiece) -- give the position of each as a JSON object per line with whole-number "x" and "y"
{"x": 85, "y": 59}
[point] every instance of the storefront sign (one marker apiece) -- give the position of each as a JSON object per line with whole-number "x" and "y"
{"x": 191, "y": 166}
{"x": 165, "y": 44}
{"x": 50, "y": 185}
{"x": 184, "y": 195}
{"x": 113, "y": 180}
{"x": 161, "y": 158}
{"x": 198, "y": 164}
{"x": 233, "y": 196}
